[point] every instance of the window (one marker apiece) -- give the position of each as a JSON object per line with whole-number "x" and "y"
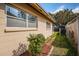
{"x": 11, "y": 11}
{"x": 21, "y": 14}
{"x": 15, "y": 17}
{"x": 32, "y": 22}
{"x": 18, "y": 18}
{"x": 48, "y": 25}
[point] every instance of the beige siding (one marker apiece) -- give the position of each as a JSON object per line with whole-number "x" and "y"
{"x": 2, "y": 18}
{"x": 9, "y": 41}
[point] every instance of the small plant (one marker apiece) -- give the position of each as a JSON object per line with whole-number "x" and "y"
{"x": 36, "y": 42}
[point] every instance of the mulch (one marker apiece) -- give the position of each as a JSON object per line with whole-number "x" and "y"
{"x": 27, "y": 53}
{"x": 46, "y": 49}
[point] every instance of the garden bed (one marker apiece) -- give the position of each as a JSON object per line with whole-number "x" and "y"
{"x": 61, "y": 46}
{"x": 46, "y": 49}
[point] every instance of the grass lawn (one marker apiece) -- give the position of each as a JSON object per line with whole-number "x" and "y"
{"x": 62, "y": 46}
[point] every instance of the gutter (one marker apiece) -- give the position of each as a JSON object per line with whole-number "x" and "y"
{"x": 40, "y": 10}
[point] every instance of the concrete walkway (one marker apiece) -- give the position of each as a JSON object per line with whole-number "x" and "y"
{"x": 50, "y": 51}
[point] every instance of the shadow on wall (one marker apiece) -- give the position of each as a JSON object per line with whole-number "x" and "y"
{"x": 72, "y": 36}
{"x": 20, "y": 50}
{"x": 71, "y": 33}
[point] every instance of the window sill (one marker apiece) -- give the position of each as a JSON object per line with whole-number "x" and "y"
{"x": 17, "y": 29}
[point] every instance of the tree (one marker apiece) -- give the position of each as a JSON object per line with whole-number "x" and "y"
{"x": 64, "y": 16}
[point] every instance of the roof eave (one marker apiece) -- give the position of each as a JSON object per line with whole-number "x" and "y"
{"x": 37, "y": 7}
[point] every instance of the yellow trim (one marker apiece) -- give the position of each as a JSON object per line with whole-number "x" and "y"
{"x": 41, "y": 10}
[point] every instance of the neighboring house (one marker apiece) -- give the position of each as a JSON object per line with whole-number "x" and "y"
{"x": 17, "y": 21}
{"x": 72, "y": 29}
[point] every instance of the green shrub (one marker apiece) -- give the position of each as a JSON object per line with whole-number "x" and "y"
{"x": 41, "y": 38}
{"x": 36, "y": 42}
{"x": 63, "y": 46}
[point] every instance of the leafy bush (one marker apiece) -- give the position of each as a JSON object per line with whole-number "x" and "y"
{"x": 36, "y": 42}
{"x": 41, "y": 38}
{"x": 62, "y": 46}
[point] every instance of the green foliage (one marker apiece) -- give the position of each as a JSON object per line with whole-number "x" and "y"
{"x": 36, "y": 42}
{"x": 55, "y": 34}
{"x": 41, "y": 38}
{"x": 63, "y": 46}
{"x": 64, "y": 16}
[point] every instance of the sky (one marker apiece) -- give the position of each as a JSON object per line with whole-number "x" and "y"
{"x": 55, "y": 7}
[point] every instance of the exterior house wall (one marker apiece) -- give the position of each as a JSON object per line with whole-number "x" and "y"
{"x": 11, "y": 39}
